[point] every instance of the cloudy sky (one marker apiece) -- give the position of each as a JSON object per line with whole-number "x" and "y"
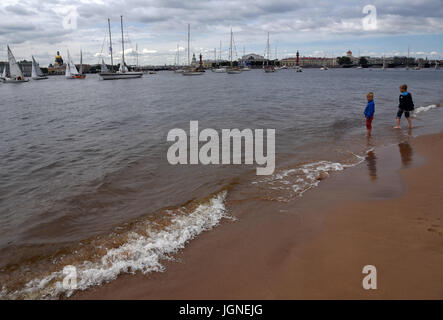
{"x": 318, "y": 28}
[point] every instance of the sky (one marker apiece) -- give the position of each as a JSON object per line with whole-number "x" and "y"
{"x": 158, "y": 27}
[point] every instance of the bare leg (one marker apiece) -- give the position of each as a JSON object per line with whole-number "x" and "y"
{"x": 398, "y": 124}
{"x": 410, "y": 123}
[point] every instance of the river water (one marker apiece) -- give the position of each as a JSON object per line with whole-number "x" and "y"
{"x": 85, "y": 179}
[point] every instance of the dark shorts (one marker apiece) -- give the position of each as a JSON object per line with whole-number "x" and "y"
{"x": 400, "y": 112}
{"x": 369, "y": 123}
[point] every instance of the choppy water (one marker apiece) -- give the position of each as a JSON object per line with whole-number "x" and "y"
{"x": 83, "y": 165}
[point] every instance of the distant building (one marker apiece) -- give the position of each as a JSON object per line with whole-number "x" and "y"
{"x": 194, "y": 61}
{"x": 58, "y": 67}
{"x": 251, "y": 57}
{"x": 308, "y": 62}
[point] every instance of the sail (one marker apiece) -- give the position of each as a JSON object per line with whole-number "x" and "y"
{"x": 68, "y": 71}
{"x": 4, "y": 72}
{"x": 36, "y": 71}
{"x": 14, "y": 69}
{"x": 104, "y": 68}
{"x": 72, "y": 68}
{"x": 123, "y": 67}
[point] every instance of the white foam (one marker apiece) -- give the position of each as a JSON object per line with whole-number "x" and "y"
{"x": 295, "y": 182}
{"x": 139, "y": 253}
{"x": 424, "y": 109}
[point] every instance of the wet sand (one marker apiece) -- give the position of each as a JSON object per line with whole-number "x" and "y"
{"x": 386, "y": 212}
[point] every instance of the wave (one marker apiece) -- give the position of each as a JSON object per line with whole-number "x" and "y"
{"x": 288, "y": 184}
{"x": 425, "y": 109}
{"x": 143, "y": 250}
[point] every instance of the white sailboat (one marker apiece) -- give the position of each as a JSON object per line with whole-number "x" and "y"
{"x": 71, "y": 71}
{"x": 104, "y": 67}
{"x": 3, "y": 73}
{"x": 15, "y": 73}
{"x": 191, "y": 71}
{"x": 37, "y": 73}
{"x": 123, "y": 72}
{"x": 268, "y": 68}
{"x": 231, "y": 69}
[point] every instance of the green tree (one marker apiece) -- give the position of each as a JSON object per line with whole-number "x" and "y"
{"x": 363, "y": 62}
{"x": 344, "y": 61}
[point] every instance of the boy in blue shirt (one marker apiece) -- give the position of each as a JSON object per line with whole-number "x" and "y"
{"x": 405, "y": 105}
{"x": 369, "y": 111}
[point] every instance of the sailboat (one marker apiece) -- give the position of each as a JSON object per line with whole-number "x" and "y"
{"x": 80, "y": 74}
{"x": 37, "y": 73}
{"x": 123, "y": 72}
{"x": 3, "y": 73}
{"x": 104, "y": 67}
{"x": 437, "y": 65}
{"x": 71, "y": 71}
{"x": 231, "y": 69}
{"x": 384, "y": 64}
{"x": 15, "y": 73}
{"x": 219, "y": 69}
{"x": 268, "y": 68}
{"x": 189, "y": 71}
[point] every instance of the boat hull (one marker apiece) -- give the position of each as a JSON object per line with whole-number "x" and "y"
{"x": 40, "y": 78}
{"x": 80, "y": 76}
{"x": 192, "y": 73}
{"x": 14, "y": 80}
{"x": 119, "y": 76}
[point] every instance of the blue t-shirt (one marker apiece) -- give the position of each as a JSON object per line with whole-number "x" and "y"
{"x": 370, "y": 109}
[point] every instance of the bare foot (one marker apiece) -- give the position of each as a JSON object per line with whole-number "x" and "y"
{"x": 396, "y": 127}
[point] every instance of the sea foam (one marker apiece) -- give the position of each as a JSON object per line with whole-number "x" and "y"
{"x": 139, "y": 253}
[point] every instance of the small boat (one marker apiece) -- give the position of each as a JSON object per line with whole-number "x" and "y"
{"x": 234, "y": 71}
{"x": 71, "y": 71}
{"x": 298, "y": 69}
{"x": 192, "y": 72}
{"x": 80, "y": 74}
{"x": 123, "y": 72}
{"x": 269, "y": 69}
{"x": 152, "y": 72}
{"x": 324, "y": 68}
{"x": 219, "y": 70}
{"x": 37, "y": 73}
{"x": 15, "y": 73}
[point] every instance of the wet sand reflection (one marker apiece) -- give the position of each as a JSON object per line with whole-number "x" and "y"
{"x": 406, "y": 153}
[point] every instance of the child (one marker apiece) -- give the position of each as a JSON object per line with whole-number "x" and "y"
{"x": 406, "y": 105}
{"x": 369, "y": 111}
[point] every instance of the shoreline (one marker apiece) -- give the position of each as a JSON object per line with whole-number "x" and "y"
{"x": 316, "y": 246}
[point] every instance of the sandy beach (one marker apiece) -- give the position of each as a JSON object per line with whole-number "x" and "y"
{"x": 386, "y": 212}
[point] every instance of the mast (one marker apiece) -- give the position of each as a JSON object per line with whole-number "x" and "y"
{"x": 178, "y": 54}
{"x": 230, "y": 51}
{"x": 136, "y": 53}
{"x": 220, "y": 52}
{"x": 189, "y": 36}
{"x": 81, "y": 62}
{"x": 407, "y": 61}
{"x": 268, "y": 53}
{"x": 110, "y": 44}
{"x": 123, "y": 45}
